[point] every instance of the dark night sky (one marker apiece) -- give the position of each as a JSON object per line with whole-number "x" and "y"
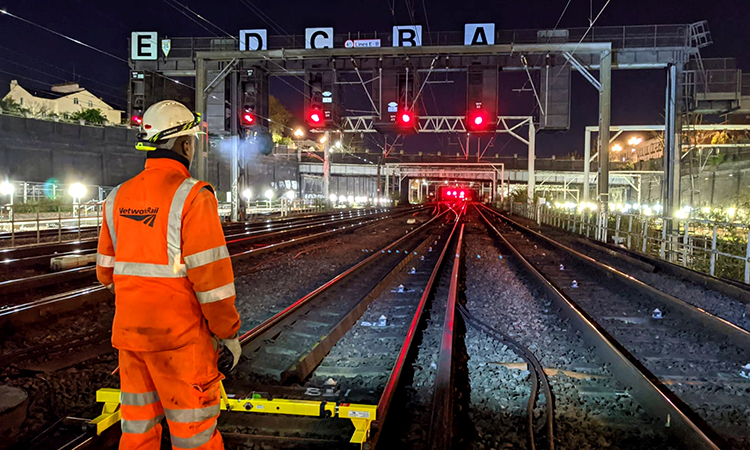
{"x": 38, "y": 58}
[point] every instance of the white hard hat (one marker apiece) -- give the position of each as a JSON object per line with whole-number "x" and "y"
{"x": 166, "y": 120}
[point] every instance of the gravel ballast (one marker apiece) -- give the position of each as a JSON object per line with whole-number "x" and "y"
{"x": 592, "y": 409}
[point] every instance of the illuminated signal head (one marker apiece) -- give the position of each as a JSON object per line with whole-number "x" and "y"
{"x": 248, "y": 119}
{"x": 136, "y": 119}
{"x": 315, "y": 117}
{"x": 405, "y": 118}
{"x": 478, "y": 120}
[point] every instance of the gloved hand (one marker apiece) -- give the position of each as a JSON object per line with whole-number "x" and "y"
{"x": 234, "y": 349}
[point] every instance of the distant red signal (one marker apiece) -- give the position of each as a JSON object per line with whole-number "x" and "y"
{"x": 137, "y": 120}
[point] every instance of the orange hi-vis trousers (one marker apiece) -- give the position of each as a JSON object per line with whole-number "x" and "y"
{"x": 181, "y": 384}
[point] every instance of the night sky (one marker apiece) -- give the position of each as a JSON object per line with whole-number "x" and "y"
{"x": 38, "y": 58}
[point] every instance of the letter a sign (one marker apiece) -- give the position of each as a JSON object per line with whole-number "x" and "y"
{"x": 479, "y": 34}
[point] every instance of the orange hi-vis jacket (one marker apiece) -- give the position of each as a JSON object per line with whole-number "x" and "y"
{"x": 163, "y": 253}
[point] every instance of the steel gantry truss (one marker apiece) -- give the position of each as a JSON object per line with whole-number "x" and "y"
{"x": 644, "y": 47}
{"x": 435, "y": 124}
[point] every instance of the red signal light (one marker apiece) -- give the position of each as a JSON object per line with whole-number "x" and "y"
{"x": 137, "y": 119}
{"x": 248, "y": 119}
{"x": 405, "y": 118}
{"x": 478, "y": 120}
{"x": 315, "y": 117}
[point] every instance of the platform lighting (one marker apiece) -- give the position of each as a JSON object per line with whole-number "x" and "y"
{"x": 350, "y": 199}
{"x": 323, "y": 139}
{"x": 6, "y": 188}
{"x": 333, "y": 197}
{"x": 617, "y": 148}
{"x": 77, "y": 190}
{"x": 289, "y": 195}
{"x": 731, "y": 212}
{"x": 342, "y": 198}
{"x": 706, "y": 210}
{"x": 337, "y": 144}
{"x": 268, "y": 194}
{"x": 247, "y": 193}
{"x": 635, "y": 140}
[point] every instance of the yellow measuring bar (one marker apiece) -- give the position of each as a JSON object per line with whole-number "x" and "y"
{"x": 361, "y": 416}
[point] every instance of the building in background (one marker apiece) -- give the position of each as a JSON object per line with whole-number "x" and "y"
{"x": 65, "y": 98}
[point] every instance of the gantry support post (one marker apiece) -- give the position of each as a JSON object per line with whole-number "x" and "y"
{"x": 605, "y": 104}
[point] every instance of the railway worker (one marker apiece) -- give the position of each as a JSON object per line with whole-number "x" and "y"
{"x": 162, "y": 252}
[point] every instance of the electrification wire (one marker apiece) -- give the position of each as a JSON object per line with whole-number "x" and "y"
{"x": 119, "y": 99}
{"x": 582, "y": 38}
{"x": 4, "y": 12}
{"x": 59, "y": 68}
{"x": 56, "y": 94}
{"x": 176, "y": 8}
{"x": 549, "y": 38}
{"x": 264, "y": 17}
{"x": 205, "y": 20}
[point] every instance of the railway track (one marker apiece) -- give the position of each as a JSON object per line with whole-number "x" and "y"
{"x": 323, "y": 317}
{"x": 35, "y": 259}
{"x": 682, "y": 364}
{"x": 27, "y": 299}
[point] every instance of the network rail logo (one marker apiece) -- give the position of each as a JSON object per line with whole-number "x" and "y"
{"x": 145, "y": 215}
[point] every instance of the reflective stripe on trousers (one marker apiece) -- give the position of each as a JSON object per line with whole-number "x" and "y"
{"x": 194, "y": 441}
{"x": 140, "y": 426}
{"x": 142, "y": 399}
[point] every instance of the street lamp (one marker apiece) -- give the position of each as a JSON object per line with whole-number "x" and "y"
{"x": 298, "y": 133}
{"x": 247, "y": 193}
{"x": 338, "y": 144}
{"x": 617, "y": 148}
{"x": 323, "y": 139}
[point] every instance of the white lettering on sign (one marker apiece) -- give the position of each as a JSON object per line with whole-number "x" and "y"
{"x": 407, "y": 36}
{"x": 253, "y": 40}
{"x": 479, "y": 34}
{"x": 318, "y": 37}
{"x": 362, "y": 43}
{"x": 143, "y": 45}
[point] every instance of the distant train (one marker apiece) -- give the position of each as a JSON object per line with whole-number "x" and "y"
{"x": 457, "y": 193}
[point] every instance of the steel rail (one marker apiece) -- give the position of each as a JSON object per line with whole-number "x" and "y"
{"x": 441, "y": 422}
{"x": 737, "y": 335}
{"x": 27, "y": 255}
{"x": 656, "y": 399}
{"x": 389, "y": 392}
{"x": 276, "y": 320}
{"x": 34, "y": 311}
{"x": 48, "y": 279}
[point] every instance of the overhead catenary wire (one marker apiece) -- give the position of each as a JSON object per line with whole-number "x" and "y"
{"x": 179, "y": 10}
{"x": 205, "y": 20}
{"x": 74, "y": 40}
{"x": 119, "y": 99}
{"x": 60, "y": 69}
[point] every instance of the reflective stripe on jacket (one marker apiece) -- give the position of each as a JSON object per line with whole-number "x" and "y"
{"x": 162, "y": 251}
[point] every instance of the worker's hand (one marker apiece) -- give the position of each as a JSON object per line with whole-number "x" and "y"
{"x": 232, "y": 345}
